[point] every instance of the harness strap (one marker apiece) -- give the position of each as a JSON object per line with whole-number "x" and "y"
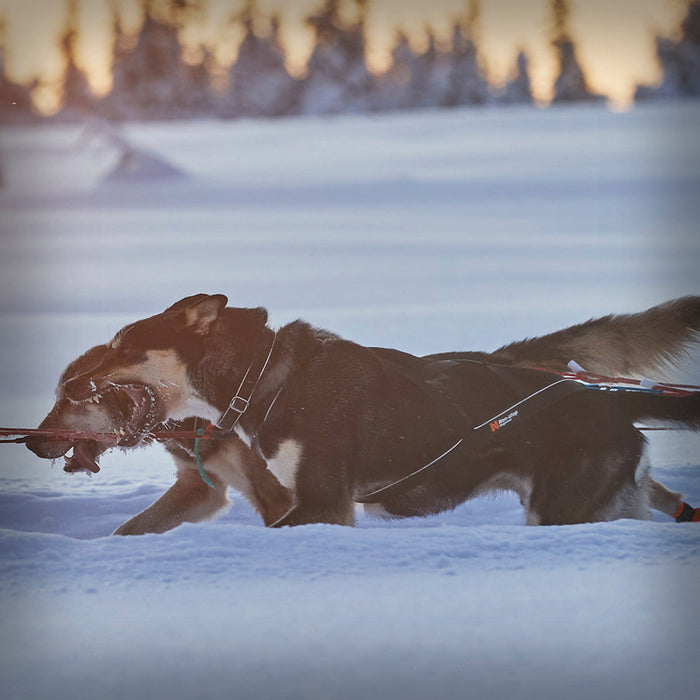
{"x": 481, "y": 436}
{"x": 240, "y": 402}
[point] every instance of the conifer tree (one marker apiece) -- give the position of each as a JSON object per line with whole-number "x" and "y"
{"x": 518, "y": 90}
{"x": 466, "y": 83}
{"x": 679, "y": 61}
{"x": 338, "y": 79}
{"x": 15, "y": 99}
{"x": 392, "y": 88}
{"x": 259, "y": 84}
{"x": 571, "y": 84}
{"x": 151, "y": 80}
{"x": 430, "y": 80}
{"x": 77, "y": 99}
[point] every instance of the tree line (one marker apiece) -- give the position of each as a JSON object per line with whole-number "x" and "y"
{"x": 151, "y": 79}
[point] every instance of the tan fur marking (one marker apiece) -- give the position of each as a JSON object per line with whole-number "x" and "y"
{"x": 246, "y": 472}
{"x": 163, "y": 371}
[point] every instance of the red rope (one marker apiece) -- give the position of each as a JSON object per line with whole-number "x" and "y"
{"x": 659, "y": 387}
{"x": 107, "y": 438}
{"x": 19, "y": 434}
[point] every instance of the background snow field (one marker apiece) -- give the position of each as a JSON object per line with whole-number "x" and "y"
{"x": 427, "y": 232}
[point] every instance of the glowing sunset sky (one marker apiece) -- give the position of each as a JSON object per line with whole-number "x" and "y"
{"x": 615, "y": 39}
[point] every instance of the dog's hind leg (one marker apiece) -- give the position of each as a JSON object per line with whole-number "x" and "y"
{"x": 189, "y": 499}
{"x": 663, "y": 499}
{"x": 593, "y": 472}
{"x": 671, "y": 503}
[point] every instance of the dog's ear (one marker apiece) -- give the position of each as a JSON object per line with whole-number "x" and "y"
{"x": 184, "y": 303}
{"x": 203, "y": 311}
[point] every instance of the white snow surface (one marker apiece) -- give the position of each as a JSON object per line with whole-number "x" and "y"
{"x": 428, "y": 232}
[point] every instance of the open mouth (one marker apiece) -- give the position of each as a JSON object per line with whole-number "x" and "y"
{"x": 131, "y": 410}
{"x": 136, "y": 406}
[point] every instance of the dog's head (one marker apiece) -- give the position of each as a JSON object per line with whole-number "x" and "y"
{"x": 148, "y": 372}
{"x": 109, "y": 413}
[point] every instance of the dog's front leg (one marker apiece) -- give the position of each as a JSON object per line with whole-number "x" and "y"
{"x": 304, "y": 514}
{"x": 320, "y": 495}
{"x": 189, "y": 499}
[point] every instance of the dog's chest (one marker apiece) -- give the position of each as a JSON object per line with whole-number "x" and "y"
{"x": 284, "y": 464}
{"x": 283, "y": 461}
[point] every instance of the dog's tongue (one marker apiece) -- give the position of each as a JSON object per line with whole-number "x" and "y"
{"x": 84, "y": 458}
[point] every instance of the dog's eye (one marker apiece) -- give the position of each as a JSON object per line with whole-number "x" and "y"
{"x": 126, "y": 353}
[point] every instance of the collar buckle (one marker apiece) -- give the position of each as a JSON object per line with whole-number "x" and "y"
{"x": 239, "y": 404}
{"x": 233, "y": 413}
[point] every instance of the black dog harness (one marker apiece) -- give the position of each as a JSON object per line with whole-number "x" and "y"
{"x": 482, "y": 435}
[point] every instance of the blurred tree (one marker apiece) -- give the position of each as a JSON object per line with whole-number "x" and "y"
{"x": 466, "y": 83}
{"x": 152, "y": 80}
{"x": 571, "y": 84}
{"x": 338, "y": 79}
{"x": 518, "y": 90}
{"x": 15, "y": 100}
{"x": 77, "y": 99}
{"x": 392, "y": 88}
{"x": 259, "y": 84}
{"x": 679, "y": 61}
{"x": 430, "y": 79}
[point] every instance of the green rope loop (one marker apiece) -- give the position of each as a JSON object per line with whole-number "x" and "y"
{"x": 198, "y": 459}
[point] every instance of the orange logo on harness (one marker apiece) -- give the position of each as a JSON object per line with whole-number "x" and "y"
{"x": 500, "y": 422}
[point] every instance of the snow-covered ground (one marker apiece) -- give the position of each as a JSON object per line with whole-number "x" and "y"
{"x": 427, "y": 232}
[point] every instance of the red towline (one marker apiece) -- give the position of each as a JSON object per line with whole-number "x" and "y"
{"x": 18, "y": 435}
{"x": 599, "y": 381}
{"x": 595, "y": 381}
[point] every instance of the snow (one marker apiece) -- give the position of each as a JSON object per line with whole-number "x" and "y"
{"x": 427, "y": 232}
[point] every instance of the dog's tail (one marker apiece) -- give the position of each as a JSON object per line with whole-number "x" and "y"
{"x": 618, "y": 345}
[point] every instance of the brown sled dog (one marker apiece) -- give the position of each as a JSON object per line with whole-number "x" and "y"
{"x": 326, "y": 419}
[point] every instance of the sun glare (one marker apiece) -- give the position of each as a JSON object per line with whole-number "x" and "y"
{"x": 615, "y": 39}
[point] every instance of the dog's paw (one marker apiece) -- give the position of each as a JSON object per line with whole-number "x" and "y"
{"x": 687, "y": 514}
{"x": 129, "y": 528}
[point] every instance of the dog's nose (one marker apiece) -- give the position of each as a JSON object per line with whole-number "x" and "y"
{"x": 47, "y": 449}
{"x": 36, "y": 445}
{"x": 79, "y": 388}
